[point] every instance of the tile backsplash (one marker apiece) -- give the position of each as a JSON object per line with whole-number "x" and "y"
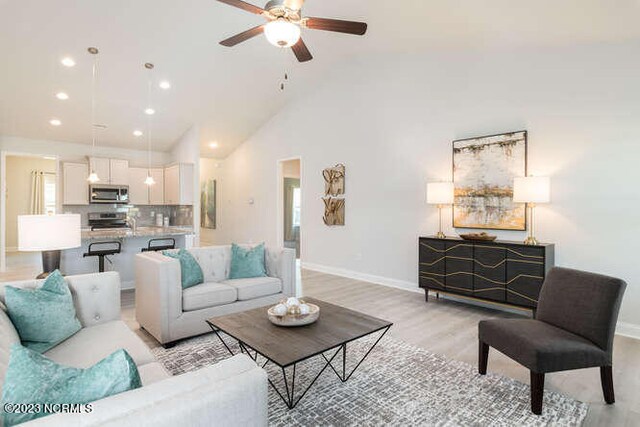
{"x": 178, "y": 215}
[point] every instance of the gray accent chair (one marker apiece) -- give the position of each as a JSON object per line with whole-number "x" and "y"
{"x": 573, "y": 329}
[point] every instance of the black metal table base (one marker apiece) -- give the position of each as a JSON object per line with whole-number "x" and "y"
{"x": 288, "y": 396}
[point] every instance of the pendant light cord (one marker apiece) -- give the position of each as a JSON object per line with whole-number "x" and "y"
{"x": 149, "y": 83}
{"x": 94, "y": 77}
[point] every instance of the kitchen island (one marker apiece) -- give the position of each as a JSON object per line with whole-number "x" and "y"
{"x": 73, "y": 261}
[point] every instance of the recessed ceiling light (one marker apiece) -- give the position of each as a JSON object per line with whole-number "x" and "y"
{"x": 165, "y": 85}
{"x": 213, "y": 145}
{"x": 55, "y": 122}
{"x": 137, "y": 133}
{"x": 150, "y": 111}
{"x": 68, "y": 62}
{"x": 62, "y": 96}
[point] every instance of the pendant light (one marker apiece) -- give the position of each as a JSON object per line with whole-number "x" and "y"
{"x": 93, "y": 176}
{"x": 149, "y": 179}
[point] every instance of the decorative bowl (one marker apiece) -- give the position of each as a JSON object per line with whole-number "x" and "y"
{"x": 479, "y": 236}
{"x": 290, "y": 320}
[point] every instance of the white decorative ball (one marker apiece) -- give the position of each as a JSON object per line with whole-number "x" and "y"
{"x": 291, "y": 301}
{"x": 304, "y": 309}
{"x": 280, "y": 310}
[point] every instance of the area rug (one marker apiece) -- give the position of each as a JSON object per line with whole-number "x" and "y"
{"x": 398, "y": 384}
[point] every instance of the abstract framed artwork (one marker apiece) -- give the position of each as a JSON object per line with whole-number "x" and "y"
{"x": 483, "y": 171}
{"x": 208, "y": 204}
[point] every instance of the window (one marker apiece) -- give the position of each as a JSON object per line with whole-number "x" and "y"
{"x": 296, "y": 207}
{"x": 50, "y": 194}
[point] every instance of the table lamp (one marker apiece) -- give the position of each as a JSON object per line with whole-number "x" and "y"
{"x": 440, "y": 193}
{"x": 531, "y": 190}
{"x": 49, "y": 234}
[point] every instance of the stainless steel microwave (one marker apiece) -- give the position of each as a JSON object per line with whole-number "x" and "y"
{"x": 102, "y": 193}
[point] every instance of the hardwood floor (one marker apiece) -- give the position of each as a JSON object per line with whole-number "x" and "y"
{"x": 450, "y": 328}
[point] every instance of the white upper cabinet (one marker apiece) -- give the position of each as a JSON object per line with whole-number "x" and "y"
{"x": 101, "y": 167}
{"x": 119, "y": 171}
{"x": 143, "y": 194}
{"x": 156, "y": 191}
{"x": 178, "y": 184}
{"x": 138, "y": 190}
{"x": 110, "y": 171}
{"x": 75, "y": 185}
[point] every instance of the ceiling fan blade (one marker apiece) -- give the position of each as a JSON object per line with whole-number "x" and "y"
{"x": 244, "y": 6}
{"x": 336, "y": 25}
{"x": 244, "y": 36}
{"x": 301, "y": 51}
{"x": 294, "y": 4}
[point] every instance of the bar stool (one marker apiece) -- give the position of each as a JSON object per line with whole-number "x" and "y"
{"x": 103, "y": 250}
{"x": 160, "y": 247}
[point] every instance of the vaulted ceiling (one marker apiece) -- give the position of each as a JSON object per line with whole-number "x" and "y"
{"x": 230, "y": 92}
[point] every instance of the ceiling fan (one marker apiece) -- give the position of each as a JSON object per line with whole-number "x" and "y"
{"x": 285, "y": 23}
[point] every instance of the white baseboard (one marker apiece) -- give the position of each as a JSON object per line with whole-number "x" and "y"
{"x": 623, "y": 328}
{"x": 350, "y": 274}
{"x": 628, "y": 330}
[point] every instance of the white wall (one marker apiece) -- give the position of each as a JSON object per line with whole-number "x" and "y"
{"x": 213, "y": 169}
{"x": 187, "y": 150}
{"x": 391, "y": 121}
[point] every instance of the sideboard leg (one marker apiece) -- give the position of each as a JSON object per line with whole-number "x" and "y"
{"x": 426, "y": 295}
{"x": 437, "y": 295}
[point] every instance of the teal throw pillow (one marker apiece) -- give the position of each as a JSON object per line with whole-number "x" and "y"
{"x": 190, "y": 270}
{"x": 45, "y": 316}
{"x": 247, "y": 263}
{"x": 34, "y": 380}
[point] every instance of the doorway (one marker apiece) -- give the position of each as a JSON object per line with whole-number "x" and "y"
{"x": 30, "y": 188}
{"x": 291, "y": 190}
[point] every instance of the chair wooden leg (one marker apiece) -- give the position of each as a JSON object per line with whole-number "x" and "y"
{"x": 606, "y": 377}
{"x": 483, "y": 358}
{"x": 537, "y": 392}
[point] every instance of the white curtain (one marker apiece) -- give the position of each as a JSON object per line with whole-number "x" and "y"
{"x": 37, "y": 193}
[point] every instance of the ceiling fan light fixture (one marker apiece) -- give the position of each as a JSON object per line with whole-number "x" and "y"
{"x": 282, "y": 33}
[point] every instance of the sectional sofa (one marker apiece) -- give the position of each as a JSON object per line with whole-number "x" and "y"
{"x": 232, "y": 392}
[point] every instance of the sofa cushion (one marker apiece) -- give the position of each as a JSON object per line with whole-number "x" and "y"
{"x": 255, "y": 287}
{"x": 152, "y": 373}
{"x": 43, "y": 316}
{"x": 247, "y": 262}
{"x": 190, "y": 271}
{"x": 93, "y": 344}
{"x": 34, "y": 379}
{"x": 8, "y": 337}
{"x": 539, "y": 346}
{"x": 207, "y": 295}
{"x": 214, "y": 262}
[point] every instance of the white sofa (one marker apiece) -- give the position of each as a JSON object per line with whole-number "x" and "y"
{"x": 170, "y": 313}
{"x": 232, "y": 392}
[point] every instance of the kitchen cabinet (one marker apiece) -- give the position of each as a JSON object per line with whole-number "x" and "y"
{"x": 178, "y": 184}
{"x": 75, "y": 185}
{"x": 110, "y": 171}
{"x": 138, "y": 190}
{"x": 143, "y": 194}
{"x": 156, "y": 191}
{"x": 118, "y": 172}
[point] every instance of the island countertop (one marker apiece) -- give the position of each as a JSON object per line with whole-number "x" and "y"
{"x": 125, "y": 233}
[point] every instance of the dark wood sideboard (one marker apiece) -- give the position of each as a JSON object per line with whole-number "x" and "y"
{"x": 501, "y": 272}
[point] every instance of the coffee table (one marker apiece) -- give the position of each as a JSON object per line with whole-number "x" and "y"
{"x": 288, "y": 346}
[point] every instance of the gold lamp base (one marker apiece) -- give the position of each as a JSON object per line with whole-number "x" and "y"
{"x": 531, "y": 241}
{"x": 440, "y": 235}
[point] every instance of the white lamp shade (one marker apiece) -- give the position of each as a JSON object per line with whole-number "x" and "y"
{"x": 532, "y": 189}
{"x": 282, "y": 33}
{"x": 48, "y": 232}
{"x": 440, "y": 193}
